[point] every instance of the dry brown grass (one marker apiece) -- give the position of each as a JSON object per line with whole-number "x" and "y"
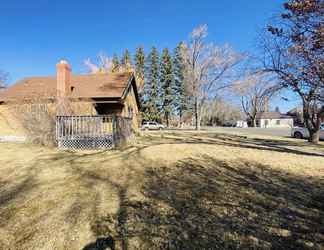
{"x": 171, "y": 190}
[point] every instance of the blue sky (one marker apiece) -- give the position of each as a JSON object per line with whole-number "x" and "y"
{"x": 36, "y": 34}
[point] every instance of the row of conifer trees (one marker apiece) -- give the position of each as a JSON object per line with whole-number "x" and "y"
{"x": 160, "y": 78}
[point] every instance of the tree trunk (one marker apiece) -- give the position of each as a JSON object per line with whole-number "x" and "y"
{"x": 253, "y": 121}
{"x": 314, "y": 136}
{"x": 312, "y": 126}
{"x": 167, "y": 119}
{"x": 197, "y": 115}
{"x": 314, "y": 130}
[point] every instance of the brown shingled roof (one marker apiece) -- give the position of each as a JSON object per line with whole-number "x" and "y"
{"x": 110, "y": 85}
{"x": 271, "y": 115}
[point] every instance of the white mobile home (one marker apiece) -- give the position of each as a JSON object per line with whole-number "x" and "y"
{"x": 274, "y": 120}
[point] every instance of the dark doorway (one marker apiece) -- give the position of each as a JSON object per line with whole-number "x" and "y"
{"x": 108, "y": 108}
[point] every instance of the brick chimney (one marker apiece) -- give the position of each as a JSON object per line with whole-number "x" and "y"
{"x": 63, "y": 78}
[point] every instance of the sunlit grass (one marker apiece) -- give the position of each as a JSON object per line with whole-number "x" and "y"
{"x": 177, "y": 190}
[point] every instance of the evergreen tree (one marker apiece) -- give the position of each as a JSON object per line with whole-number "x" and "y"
{"x": 115, "y": 67}
{"x": 151, "y": 87}
{"x": 181, "y": 99}
{"x": 126, "y": 61}
{"x": 167, "y": 81}
{"x": 139, "y": 69}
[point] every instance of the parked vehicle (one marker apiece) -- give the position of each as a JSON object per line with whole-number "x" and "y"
{"x": 152, "y": 126}
{"x": 229, "y": 124}
{"x": 302, "y": 132}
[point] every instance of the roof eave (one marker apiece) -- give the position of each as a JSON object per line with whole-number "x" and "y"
{"x": 130, "y": 82}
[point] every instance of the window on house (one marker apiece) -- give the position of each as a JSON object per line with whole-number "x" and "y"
{"x": 278, "y": 122}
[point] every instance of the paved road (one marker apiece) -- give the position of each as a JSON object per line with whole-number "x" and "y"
{"x": 285, "y": 132}
{"x": 281, "y": 132}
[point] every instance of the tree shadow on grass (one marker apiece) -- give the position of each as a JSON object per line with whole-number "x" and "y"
{"x": 205, "y": 203}
{"x": 101, "y": 244}
{"x": 212, "y": 204}
{"x": 237, "y": 141}
{"x": 15, "y": 191}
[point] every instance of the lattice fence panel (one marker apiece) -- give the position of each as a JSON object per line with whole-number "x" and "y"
{"x": 84, "y": 132}
{"x": 87, "y": 143}
{"x": 92, "y": 132}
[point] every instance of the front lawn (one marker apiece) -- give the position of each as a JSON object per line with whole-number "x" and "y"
{"x": 168, "y": 191}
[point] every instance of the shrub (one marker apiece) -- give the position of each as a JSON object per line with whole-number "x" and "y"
{"x": 38, "y": 118}
{"x": 38, "y": 121}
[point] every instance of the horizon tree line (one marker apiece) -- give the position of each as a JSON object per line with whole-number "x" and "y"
{"x": 182, "y": 82}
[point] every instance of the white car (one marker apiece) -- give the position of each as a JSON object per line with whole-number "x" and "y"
{"x": 152, "y": 126}
{"x": 302, "y": 133}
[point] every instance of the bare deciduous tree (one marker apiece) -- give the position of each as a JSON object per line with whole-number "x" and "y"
{"x": 37, "y": 120}
{"x": 255, "y": 90}
{"x": 220, "y": 112}
{"x": 103, "y": 64}
{"x": 207, "y": 68}
{"x": 295, "y": 53}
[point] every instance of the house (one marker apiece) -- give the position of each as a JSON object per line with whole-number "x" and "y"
{"x": 273, "y": 119}
{"x": 106, "y": 94}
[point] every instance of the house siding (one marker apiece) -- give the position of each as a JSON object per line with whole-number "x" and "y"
{"x": 130, "y": 108}
{"x": 9, "y": 124}
{"x": 276, "y": 123}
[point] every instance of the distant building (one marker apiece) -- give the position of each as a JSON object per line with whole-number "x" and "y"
{"x": 241, "y": 124}
{"x": 274, "y": 120}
